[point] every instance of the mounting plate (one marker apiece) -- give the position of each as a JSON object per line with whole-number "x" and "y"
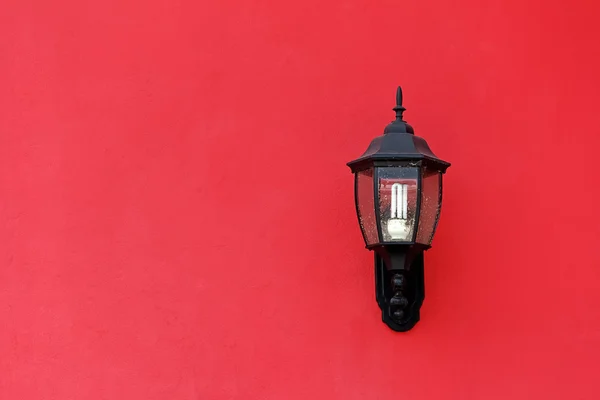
{"x": 400, "y": 293}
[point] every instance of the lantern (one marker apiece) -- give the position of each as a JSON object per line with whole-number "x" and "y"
{"x": 398, "y": 196}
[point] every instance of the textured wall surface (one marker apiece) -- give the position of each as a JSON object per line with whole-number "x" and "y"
{"x": 177, "y": 220}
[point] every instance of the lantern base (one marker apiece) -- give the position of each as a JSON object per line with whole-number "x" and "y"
{"x": 400, "y": 292}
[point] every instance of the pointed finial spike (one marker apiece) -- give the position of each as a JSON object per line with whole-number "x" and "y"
{"x": 399, "y": 109}
{"x": 399, "y": 125}
{"x": 399, "y": 96}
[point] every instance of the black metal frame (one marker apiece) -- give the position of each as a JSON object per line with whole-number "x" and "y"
{"x": 399, "y": 266}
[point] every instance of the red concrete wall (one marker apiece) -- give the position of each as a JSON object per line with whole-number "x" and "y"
{"x": 177, "y": 220}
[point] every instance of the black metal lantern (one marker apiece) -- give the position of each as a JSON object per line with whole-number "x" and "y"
{"x": 398, "y": 195}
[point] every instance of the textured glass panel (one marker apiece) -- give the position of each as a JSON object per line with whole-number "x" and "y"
{"x": 398, "y": 203}
{"x": 430, "y": 206}
{"x": 366, "y": 205}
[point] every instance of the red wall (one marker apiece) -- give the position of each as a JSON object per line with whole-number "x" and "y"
{"x": 177, "y": 220}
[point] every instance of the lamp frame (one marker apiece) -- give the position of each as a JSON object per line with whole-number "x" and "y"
{"x": 399, "y": 266}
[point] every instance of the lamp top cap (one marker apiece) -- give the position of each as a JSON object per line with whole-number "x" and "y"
{"x": 399, "y": 125}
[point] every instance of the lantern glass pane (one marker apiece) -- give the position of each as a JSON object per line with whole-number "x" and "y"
{"x": 398, "y": 203}
{"x": 431, "y": 202}
{"x": 365, "y": 205}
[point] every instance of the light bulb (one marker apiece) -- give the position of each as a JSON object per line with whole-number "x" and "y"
{"x": 397, "y": 225}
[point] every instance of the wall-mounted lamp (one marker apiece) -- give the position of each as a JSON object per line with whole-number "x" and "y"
{"x": 398, "y": 195}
